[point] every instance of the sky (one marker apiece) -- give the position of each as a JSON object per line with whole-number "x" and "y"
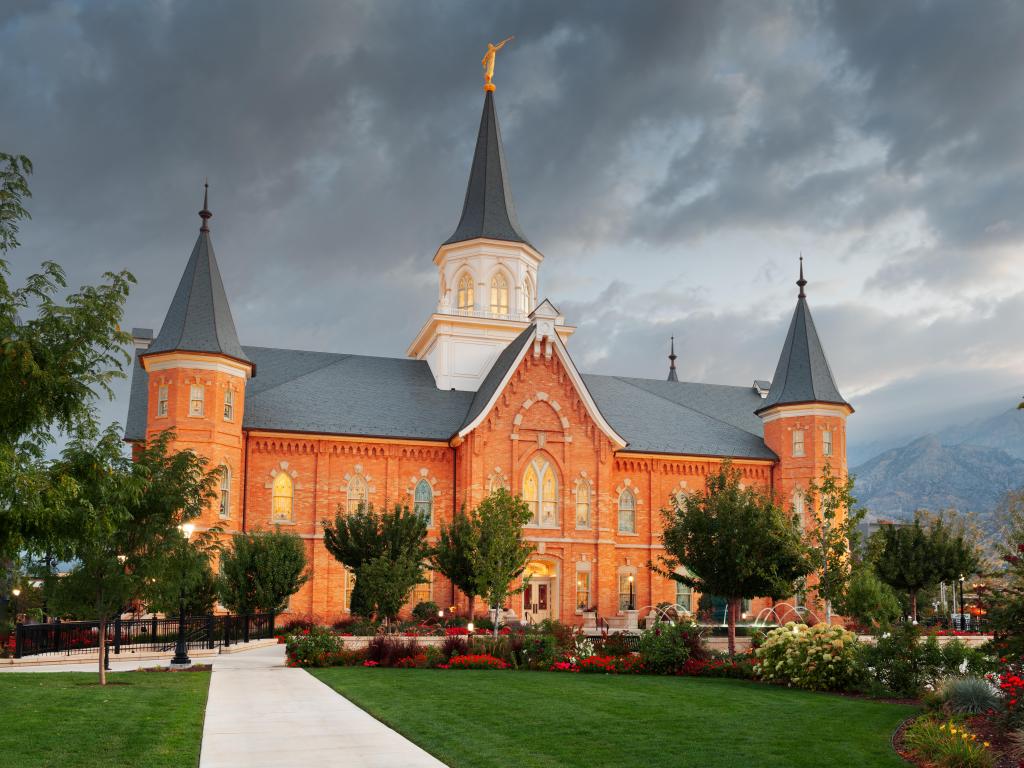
{"x": 670, "y": 160}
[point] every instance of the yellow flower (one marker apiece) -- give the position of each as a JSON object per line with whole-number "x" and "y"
{"x": 985, "y": 743}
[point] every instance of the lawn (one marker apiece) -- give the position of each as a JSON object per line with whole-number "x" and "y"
{"x": 62, "y": 719}
{"x": 477, "y": 718}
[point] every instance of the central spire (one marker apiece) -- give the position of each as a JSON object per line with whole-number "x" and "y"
{"x": 672, "y": 360}
{"x": 488, "y": 210}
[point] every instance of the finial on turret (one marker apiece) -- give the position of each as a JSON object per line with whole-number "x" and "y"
{"x": 672, "y": 360}
{"x": 801, "y": 282}
{"x": 205, "y": 214}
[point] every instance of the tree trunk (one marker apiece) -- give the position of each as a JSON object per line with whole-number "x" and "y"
{"x": 103, "y": 648}
{"x": 913, "y": 605}
{"x": 731, "y": 614}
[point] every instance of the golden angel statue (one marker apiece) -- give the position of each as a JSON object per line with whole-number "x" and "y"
{"x": 488, "y": 62}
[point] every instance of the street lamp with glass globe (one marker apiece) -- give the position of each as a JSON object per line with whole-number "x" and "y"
{"x": 181, "y": 658}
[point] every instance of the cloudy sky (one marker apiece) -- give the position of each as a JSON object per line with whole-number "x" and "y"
{"x": 671, "y": 160}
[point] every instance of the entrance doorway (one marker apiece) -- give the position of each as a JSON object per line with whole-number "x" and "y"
{"x": 537, "y": 600}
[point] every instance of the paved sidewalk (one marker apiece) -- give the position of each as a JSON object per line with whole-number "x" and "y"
{"x": 263, "y": 714}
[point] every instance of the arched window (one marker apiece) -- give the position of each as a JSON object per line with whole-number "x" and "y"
{"x": 582, "y": 503}
{"x": 496, "y": 481}
{"x": 627, "y": 512}
{"x": 540, "y": 492}
{"x": 423, "y": 501}
{"x": 357, "y": 493}
{"x": 225, "y": 491}
{"x": 799, "y": 507}
{"x": 526, "y": 300}
{"x": 283, "y": 493}
{"x": 464, "y": 292}
{"x": 499, "y": 295}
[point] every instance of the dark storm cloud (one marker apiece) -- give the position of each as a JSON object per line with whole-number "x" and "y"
{"x": 337, "y": 139}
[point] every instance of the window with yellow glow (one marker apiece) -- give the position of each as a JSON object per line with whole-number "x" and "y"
{"x": 357, "y": 493}
{"x": 627, "y": 512}
{"x": 423, "y": 593}
{"x": 540, "y": 492}
{"x": 499, "y": 295}
{"x": 464, "y": 293}
{"x": 225, "y": 491}
{"x": 283, "y": 492}
{"x": 627, "y": 592}
{"x": 582, "y": 590}
{"x": 582, "y": 503}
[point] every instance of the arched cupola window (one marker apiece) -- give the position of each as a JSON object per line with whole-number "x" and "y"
{"x": 499, "y": 295}
{"x": 283, "y": 495}
{"x": 423, "y": 501}
{"x": 540, "y": 492}
{"x": 464, "y": 292}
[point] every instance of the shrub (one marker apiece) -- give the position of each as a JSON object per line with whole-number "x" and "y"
{"x": 454, "y": 645}
{"x": 1011, "y": 683}
{"x": 947, "y": 744}
{"x": 819, "y": 658}
{"x": 614, "y": 645}
{"x": 425, "y": 611}
{"x": 355, "y": 626}
{"x": 540, "y": 651}
{"x": 958, "y": 658}
{"x": 433, "y": 657}
{"x": 313, "y": 647}
{"x": 666, "y": 648}
{"x": 969, "y": 695}
{"x": 478, "y": 661}
{"x": 388, "y": 650}
{"x": 419, "y": 661}
{"x": 739, "y": 667}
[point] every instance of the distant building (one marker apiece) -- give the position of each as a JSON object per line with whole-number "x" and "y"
{"x": 488, "y": 396}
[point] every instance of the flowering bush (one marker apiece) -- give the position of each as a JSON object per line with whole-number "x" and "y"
{"x": 666, "y": 647}
{"x": 314, "y": 647}
{"x": 614, "y": 665}
{"x": 419, "y": 661}
{"x": 819, "y": 658}
{"x": 478, "y": 661}
{"x": 947, "y": 744}
{"x": 1011, "y": 683}
{"x": 452, "y": 631}
{"x": 740, "y": 667}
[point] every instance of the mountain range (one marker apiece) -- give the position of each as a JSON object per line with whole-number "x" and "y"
{"x": 968, "y": 467}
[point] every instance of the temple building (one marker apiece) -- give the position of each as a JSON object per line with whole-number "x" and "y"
{"x": 487, "y": 395}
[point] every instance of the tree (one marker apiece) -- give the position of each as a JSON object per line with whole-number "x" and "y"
{"x": 499, "y": 554}
{"x": 452, "y": 555}
{"x": 189, "y": 572}
{"x": 366, "y": 536}
{"x": 260, "y": 571}
{"x": 732, "y": 541}
{"x": 869, "y": 600}
{"x": 832, "y": 536}
{"x": 56, "y": 357}
{"x": 125, "y": 516}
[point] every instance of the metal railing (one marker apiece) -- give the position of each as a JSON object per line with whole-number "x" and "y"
{"x": 159, "y": 635}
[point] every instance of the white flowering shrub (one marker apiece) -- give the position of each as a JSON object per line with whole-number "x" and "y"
{"x": 818, "y": 658}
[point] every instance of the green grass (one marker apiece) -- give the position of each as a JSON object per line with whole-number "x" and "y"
{"x": 479, "y": 719}
{"x": 63, "y": 719}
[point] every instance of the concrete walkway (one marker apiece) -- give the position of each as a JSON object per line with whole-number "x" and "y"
{"x": 263, "y": 714}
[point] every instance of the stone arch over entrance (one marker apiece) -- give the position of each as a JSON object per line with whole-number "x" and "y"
{"x": 541, "y": 599}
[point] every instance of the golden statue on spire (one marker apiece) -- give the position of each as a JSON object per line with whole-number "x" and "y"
{"x": 488, "y": 62}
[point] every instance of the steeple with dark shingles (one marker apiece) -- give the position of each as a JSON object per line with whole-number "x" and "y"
{"x": 803, "y": 374}
{"x": 199, "y": 318}
{"x": 488, "y": 210}
{"x": 672, "y": 360}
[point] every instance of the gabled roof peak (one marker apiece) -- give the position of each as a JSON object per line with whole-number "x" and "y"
{"x": 488, "y": 210}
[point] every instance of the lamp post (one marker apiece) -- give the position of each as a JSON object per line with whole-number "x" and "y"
{"x": 962, "y": 627}
{"x": 181, "y": 658}
{"x": 632, "y": 602}
{"x": 14, "y": 603}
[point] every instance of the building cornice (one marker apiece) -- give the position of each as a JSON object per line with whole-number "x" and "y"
{"x": 796, "y": 410}
{"x": 207, "y": 361}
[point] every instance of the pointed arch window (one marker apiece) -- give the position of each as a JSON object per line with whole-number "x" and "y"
{"x": 526, "y": 300}
{"x": 499, "y": 295}
{"x": 627, "y": 512}
{"x": 358, "y": 493}
{"x": 496, "y": 481}
{"x": 540, "y": 492}
{"x": 799, "y": 507}
{"x": 582, "y": 503}
{"x": 225, "y": 491}
{"x": 423, "y": 501}
{"x": 284, "y": 491}
{"x": 464, "y": 292}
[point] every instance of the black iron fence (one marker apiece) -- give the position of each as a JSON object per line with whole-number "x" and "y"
{"x": 201, "y": 632}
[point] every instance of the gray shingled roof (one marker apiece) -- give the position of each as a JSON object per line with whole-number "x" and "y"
{"x": 803, "y": 374}
{"x": 325, "y": 393}
{"x": 488, "y": 210}
{"x": 199, "y": 318}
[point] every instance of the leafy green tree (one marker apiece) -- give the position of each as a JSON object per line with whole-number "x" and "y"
{"x": 366, "y": 536}
{"x": 452, "y": 555}
{"x": 869, "y": 600}
{"x": 56, "y": 357}
{"x": 189, "y": 572}
{"x": 832, "y": 536}
{"x": 260, "y": 570}
{"x": 732, "y": 541}
{"x": 125, "y": 516}
{"x": 500, "y": 554}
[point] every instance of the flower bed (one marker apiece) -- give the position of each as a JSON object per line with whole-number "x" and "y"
{"x": 475, "y": 661}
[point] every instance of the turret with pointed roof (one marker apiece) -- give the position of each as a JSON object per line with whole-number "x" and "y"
{"x": 199, "y": 318}
{"x": 803, "y": 374}
{"x": 488, "y": 210}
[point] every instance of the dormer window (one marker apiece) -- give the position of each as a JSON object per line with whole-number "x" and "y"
{"x": 798, "y": 442}
{"x": 464, "y": 293}
{"x": 499, "y": 295}
{"x": 196, "y": 400}
{"x": 229, "y": 405}
{"x": 161, "y": 400}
